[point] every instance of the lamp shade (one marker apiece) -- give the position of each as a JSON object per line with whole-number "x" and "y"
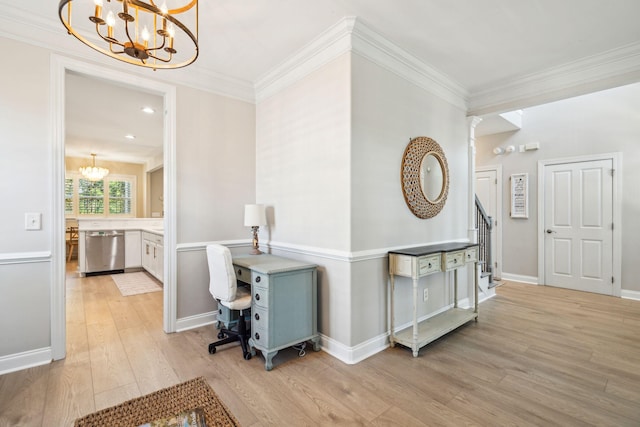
{"x": 254, "y": 215}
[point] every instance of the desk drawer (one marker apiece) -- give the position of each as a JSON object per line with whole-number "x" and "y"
{"x": 243, "y": 274}
{"x": 453, "y": 260}
{"x": 471, "y": 254}
{"x": 428, "y": 264}
{"x": 260, "y": 296}
{"x": 259, "y": 318}
{"x": 260, "y": 337}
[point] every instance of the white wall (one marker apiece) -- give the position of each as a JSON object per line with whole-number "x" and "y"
{"x": 215, "y": 158}
{"x": 601, "y": 122}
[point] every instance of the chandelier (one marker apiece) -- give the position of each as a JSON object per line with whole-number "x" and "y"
{"x": 137, "y": 32}
{"x": 92, "y": 173}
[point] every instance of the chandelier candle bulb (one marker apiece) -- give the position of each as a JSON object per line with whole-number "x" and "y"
{"x": 98, "y": 13}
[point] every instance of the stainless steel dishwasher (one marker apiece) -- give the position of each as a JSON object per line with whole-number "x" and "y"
{"x": 104, "y": 251}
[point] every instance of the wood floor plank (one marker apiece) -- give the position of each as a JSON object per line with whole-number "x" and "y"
{"x": 69, "y": 395}
{"x": 22, "y": 396}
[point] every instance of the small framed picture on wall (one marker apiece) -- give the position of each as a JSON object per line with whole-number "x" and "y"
{"x": 520, "y": 195}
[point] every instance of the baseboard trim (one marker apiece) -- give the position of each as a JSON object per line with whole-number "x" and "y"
{"x": 532, "y": 280}
{"x": 27, "y": 359}
{"x": 192, "y": 322}
{"x": 628, "y": 294}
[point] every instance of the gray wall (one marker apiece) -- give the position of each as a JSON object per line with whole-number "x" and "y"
{"x": 601, "y": 122}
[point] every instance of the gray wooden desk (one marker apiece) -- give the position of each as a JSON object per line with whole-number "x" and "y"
{"x": 423, "y": 261}
{"x": 284, "y": 302}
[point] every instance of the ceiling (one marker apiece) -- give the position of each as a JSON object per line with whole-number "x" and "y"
{"x": 480, "y": 45}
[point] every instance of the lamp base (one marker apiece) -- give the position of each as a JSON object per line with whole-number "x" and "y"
{"x": 255, "y": 250}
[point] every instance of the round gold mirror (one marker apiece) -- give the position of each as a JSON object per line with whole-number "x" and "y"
{"x": 425, "y": 177}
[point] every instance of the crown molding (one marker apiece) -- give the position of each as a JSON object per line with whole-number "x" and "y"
{"x": 352, "y": 35}
{"x": 19, "y": 25}
{"x": 616, "y": 67}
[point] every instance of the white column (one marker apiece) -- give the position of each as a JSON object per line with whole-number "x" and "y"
{"x": 472, "y": 121}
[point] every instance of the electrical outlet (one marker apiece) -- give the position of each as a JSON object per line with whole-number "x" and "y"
{"x": 425, "y": 295}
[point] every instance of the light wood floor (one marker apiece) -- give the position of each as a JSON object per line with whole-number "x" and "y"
{"x": 537, "y": 356}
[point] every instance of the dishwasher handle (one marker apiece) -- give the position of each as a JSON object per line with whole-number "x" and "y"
{"x": 110, "y": 233}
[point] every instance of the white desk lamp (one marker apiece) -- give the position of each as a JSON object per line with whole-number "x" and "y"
{"x": 254, "y": 217}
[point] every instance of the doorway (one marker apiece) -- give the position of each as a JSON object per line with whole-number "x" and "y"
{"x": 60, "y": 66}
{"x": 578, "y": 213}
{"x": 489, "y": 192}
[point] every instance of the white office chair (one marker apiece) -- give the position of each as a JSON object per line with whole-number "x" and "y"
{"x": 223, "y": 285}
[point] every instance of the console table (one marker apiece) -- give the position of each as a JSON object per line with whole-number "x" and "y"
{"x": 423, "y": 261}
{"x": 283, "y": 302}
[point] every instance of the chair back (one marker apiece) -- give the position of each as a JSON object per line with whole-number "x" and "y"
{"x": 222, "y": 277}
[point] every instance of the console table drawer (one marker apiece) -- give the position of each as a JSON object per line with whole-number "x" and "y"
{"x": 453, "y": 260}
{"x": 429, "y": 264}
{"x": 471, "y": 254}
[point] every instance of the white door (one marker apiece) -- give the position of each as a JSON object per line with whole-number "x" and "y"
{"x": 487, "y": 192}
{"x": 578, "y": 226}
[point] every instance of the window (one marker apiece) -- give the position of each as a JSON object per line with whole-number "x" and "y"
{"x": 112, "y": 196}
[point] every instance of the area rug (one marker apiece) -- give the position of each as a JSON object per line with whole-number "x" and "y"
{"x": 164, "y": 403}
{"x": 135, "y": 283}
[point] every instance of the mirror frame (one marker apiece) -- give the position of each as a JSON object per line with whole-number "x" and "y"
{"x": 417, "y": 149}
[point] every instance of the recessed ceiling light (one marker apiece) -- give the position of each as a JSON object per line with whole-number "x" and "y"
{"x": 148, "y": 110}
{"x": 129, "y": 136}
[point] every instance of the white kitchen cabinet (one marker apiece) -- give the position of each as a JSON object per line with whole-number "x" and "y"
{"x": 132, "y": 249}
{"x": 153, "y": 254}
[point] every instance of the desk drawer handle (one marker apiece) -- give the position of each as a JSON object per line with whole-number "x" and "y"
{"x": 257, "y": 335}
{"x": 257, "y": 297}
{"x": 257, "y": 316}
{"x": 455, "y": 260}
{"x": 258, "y": 279}
{"x": 239, "y": 272}
{"x": 429, "y": 266}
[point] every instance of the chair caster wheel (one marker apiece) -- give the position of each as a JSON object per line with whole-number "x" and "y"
{"x": 221, "y": 335}
{"x": 212, "y": 349}
{"x": 247, "y": 356}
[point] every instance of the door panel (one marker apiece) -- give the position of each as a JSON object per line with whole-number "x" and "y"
{"x": 578, "y": 219}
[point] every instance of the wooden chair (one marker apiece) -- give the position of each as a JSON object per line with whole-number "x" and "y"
{"x": 72, "y": 241}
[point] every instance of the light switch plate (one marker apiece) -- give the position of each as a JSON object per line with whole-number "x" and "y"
{"x": 33, "y": 221}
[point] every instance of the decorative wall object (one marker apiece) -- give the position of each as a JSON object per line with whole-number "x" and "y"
{"x": 520, "y": 195}
{"x": 424, "y": 177}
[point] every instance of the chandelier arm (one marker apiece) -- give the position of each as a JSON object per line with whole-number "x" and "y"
{"x": 113, "y": 51}
{"x": 156, "y": 48}
{"x": 110, "y": 41}
{"x": 126, "y": 30}
{"x": 157, "y": 58}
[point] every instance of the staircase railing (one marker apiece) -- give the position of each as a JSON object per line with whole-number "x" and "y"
{"x": 484, "y": 227}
